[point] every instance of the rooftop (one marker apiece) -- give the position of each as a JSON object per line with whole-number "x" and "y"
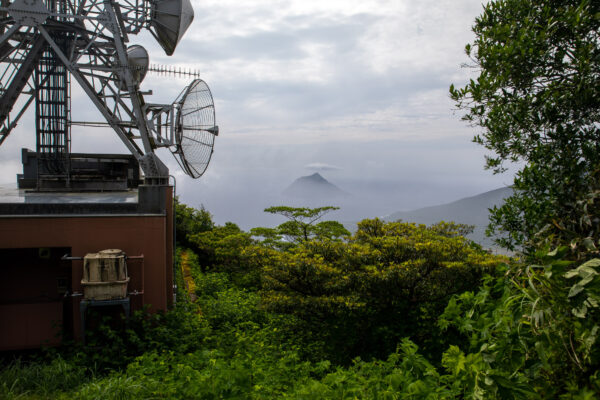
{"x": 145, "y": 200}
{"x": 9, "y": 193}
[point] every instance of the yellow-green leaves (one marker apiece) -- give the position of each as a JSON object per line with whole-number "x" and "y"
{"x": 389, "y": 280}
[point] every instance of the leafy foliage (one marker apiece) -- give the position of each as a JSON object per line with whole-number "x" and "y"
{"x": 223, "y": 249}
{"x": 22, "y": 378}
{"x": 537, "y": 98}
{"x": 390, "y": 281}
{"x": 190, "y": 221}
{"x": 535, "y": 327}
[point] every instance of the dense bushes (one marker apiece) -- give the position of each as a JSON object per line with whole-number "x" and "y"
{"x": 42, "y": 378}
{"x": 271, "y": 321}
{"x": 394, "y": 311}
{"x": 362, "y": 296}
{"x": 536, "y": 325}
{"x": 190, "y": 221}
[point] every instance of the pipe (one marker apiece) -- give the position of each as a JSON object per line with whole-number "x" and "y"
{"x": 67, "y": 257}
{"x": 174, "y": 240}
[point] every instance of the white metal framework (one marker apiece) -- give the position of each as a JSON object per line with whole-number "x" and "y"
{"x": 44, "y": 44}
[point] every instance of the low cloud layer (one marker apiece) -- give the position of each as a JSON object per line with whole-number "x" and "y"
{"x": 317, "y": 166}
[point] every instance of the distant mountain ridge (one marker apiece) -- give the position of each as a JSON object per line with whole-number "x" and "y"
{"x": 314, "y": 187}
{"x": 470, "y": 210}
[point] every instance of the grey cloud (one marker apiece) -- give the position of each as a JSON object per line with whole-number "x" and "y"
{"x": 351, "y": 90}
{"x": 271, "y": 45}
{"x": 284, "y": 43}
{"x": 317, "y": 166}
{"x": 350, "y": 93}
{"x": 343, "y": 32}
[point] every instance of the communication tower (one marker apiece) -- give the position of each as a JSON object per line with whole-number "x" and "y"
{"x": 72, "y": 207}
{"x": 47, "y": 44}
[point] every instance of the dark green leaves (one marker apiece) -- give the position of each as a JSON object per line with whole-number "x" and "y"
{"x": 537, "y": 99}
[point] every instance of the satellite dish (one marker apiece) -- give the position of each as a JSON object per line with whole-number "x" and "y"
{"x": 138, "y": 61}
{"x": 169, "y": 21}
{"x": 195, "y": 129}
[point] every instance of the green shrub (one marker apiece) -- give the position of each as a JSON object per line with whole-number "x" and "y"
{"x": 534, "y": 328}
{"x": 113, "y": 344}
{"x": 39, "y": 379}
{"x": 361, "y": 297}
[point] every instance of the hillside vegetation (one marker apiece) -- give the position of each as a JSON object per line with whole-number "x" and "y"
{"x": 395, "y": 311}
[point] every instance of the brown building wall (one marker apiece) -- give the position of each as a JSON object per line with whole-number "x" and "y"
{"x": 25, "y": 320}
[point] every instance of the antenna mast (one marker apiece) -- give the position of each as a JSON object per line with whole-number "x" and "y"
{"x": 53, "y": 104}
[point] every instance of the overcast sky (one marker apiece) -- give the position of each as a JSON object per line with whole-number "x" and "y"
{"x": 354, "y": 89}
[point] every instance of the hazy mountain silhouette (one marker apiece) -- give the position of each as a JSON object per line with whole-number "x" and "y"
{"x": 470, "y": 210}
{"x": 314, "y": 187}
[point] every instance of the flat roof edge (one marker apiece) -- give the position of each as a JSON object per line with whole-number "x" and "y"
{"x": 130, "y": 215}
{"x": 151, "y": 199}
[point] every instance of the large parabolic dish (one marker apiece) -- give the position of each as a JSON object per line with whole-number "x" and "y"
{"x": 170, "y": 20}
{"x": 195, "y": 129}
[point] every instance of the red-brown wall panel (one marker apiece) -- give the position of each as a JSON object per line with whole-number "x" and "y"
{"x": 150, "y": 236}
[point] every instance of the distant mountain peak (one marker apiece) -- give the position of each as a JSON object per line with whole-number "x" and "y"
{"x": 316, "y": 178}
{"x": 313, "y": 186}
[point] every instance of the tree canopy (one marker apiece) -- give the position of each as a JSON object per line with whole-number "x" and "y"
{"x": 189, "y": 221}
{"x": 537, "y": 102}
{"x": 387, "y": 281}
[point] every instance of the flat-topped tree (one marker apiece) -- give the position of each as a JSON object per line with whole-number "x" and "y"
{"x": 302, "y": 225}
